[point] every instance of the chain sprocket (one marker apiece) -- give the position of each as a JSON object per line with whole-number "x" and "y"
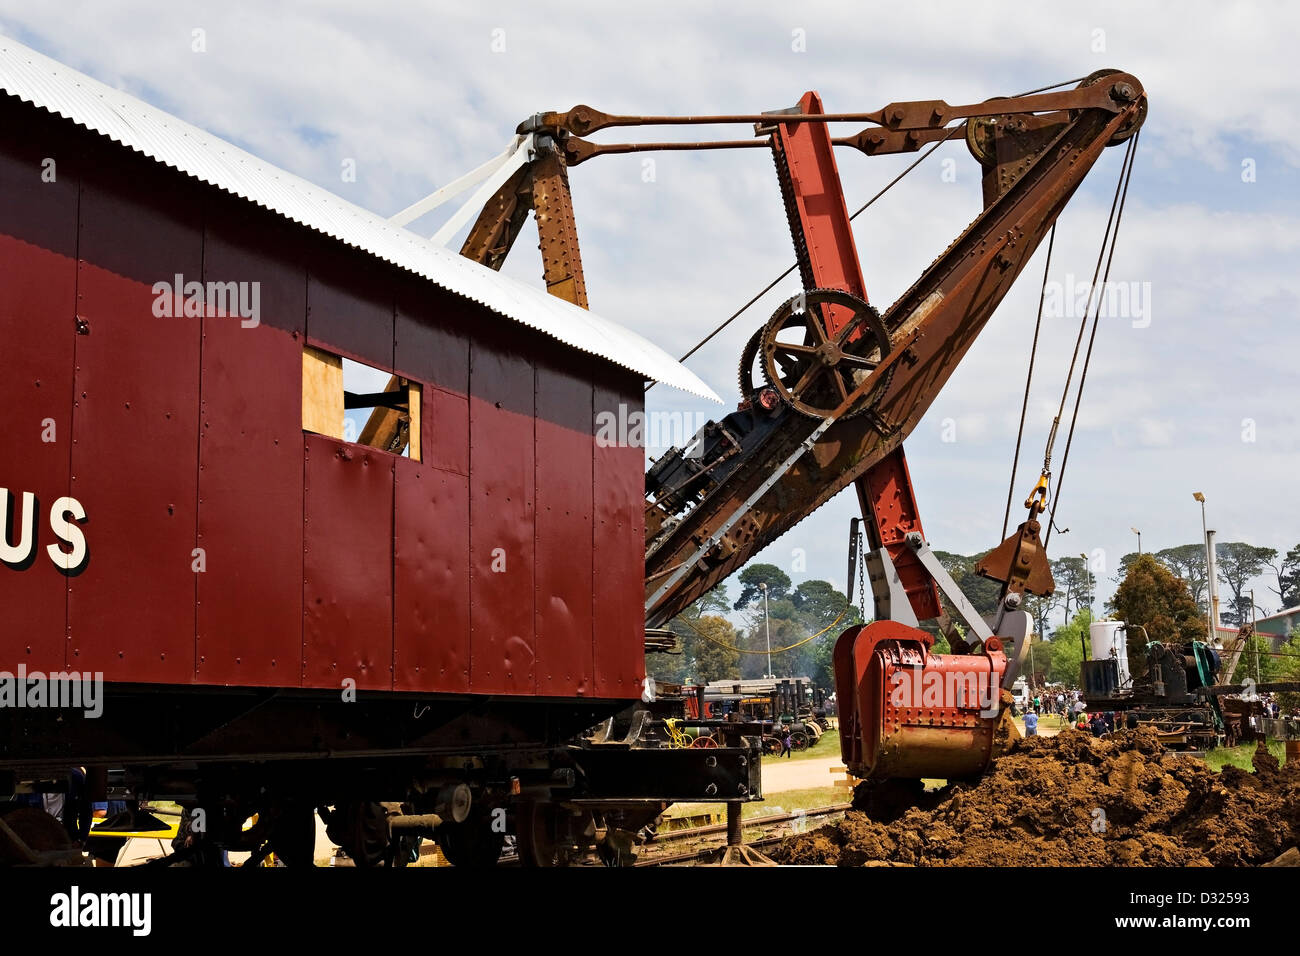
{"x": 814, "y": 371}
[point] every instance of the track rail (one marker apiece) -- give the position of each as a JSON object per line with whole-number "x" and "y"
{"x": 770, "y": 824}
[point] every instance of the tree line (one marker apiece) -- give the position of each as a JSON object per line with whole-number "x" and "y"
{"x": 713, "y": 648}
{"x": 1238, "y": 564}
{"x": 1165, "y": 591}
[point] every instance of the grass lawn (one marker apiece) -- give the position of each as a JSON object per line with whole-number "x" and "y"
{"x": 1046, "y": 722}
{"x": 786, "y": 802}
{"x": 1240, "y": 756}
{"x": 827, "y": 746}
{"x": 790, "y": 800}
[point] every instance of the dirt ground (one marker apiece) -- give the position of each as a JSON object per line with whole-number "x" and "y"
{"x": 782, "y": 775}
{"x": 1073, "y": 800}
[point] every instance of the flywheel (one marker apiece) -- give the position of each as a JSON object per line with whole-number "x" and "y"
{"x": 815, "y": 370}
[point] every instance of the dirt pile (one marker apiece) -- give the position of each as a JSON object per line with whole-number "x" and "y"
{"x": 1074, "y": 800}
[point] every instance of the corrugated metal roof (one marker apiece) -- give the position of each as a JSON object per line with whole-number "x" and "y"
{"x": 38, "y": 80}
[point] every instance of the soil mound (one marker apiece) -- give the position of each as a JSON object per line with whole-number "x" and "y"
{"x": 1074, "y": 800}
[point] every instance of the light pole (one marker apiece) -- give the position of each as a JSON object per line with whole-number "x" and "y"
{"x": 1253, "y": 636}
{"x": 1139, "y": 534}
{"x": 1088, "y": 571}
{"x": 767, "y": 626}
{"x": 1209, "y": 570}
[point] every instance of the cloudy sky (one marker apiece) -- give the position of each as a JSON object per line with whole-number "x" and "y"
{"x": 1195, "y": 390}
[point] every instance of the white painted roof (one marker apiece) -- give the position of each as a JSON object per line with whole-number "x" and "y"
{"x": 38, "y": 80}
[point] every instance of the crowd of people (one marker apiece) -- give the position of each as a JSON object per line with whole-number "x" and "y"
{"x": 1072, "y": 711}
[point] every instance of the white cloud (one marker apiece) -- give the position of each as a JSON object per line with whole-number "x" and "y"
{"x": 417, "y": 95}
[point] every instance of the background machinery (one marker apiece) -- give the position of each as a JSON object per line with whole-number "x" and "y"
{"x": 1180, "y": 694}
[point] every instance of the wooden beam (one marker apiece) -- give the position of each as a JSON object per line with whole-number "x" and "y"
{"x": 322, "y": 392}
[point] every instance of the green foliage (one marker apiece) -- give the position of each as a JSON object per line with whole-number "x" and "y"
{"x": 1075, "y": 584}
{"x": 712, "y": 657}
{"x": 714, "y": 601}
{"x": 819, "y": 603}
{"x": 1287, "y": 571}
{"x": 1257, "y": 661}
{"x": 1239, "y": 564}
{"x": 814, "y": 607}
{"x": 1038, "y": 661}
{"x": 983, "y": 592}
{"x": 785, "y": 632}
{"x": 1288, "y": 668}
{"x": 1152, "y": 597}
{"x": 1187, "y": 561}
{"x": 700, "y": 659}
{"x": 777, "y": 581}
{"x": 1124, "y": 564}
{"x": 1040, "y": 609}
{"x": 1066, "y": 654}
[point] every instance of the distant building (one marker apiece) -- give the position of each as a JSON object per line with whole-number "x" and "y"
{"x": 1276, "y": 627}
{"x": 1279, "y": 626}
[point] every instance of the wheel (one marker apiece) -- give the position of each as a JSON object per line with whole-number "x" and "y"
{"x": 703, "y": 742}
{"x": 537, "y": 824}
{"x": 472, "y": 845}
{"x": 821, "y": 345}
{"x": 366, "y": 833}
{"x": 798, "y": 741}
{"x": 771, "y": 746}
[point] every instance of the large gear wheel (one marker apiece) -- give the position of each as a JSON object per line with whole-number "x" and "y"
{"x": 749, "y": 383}
{"x": 815, "y": 371}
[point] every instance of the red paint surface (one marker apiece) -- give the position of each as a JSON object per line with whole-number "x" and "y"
{"x": 891, "y": 506}
{"x": 501, "y": 521}
{"x": 323, "y": 560}
{"x": 251, "y": 472}
{"x": 833, "y": 257}
{"x": 432, "y": 339}
{"x": 564, "y": 573}
{"x": 135, "y": 432}
{"x": 444, "y": 426}
{"x": 347, "y": 566}
{"x": 819, "y": 199}
{"x": 348, "y": 311}
{"x": 38, "y": 274}
{"x": 619, "y": 531}
{"x": 431, "y": 637}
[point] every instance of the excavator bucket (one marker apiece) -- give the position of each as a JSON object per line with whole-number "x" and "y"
{"x": 1020, "y": 562}
{"x": 908, "y": 713}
